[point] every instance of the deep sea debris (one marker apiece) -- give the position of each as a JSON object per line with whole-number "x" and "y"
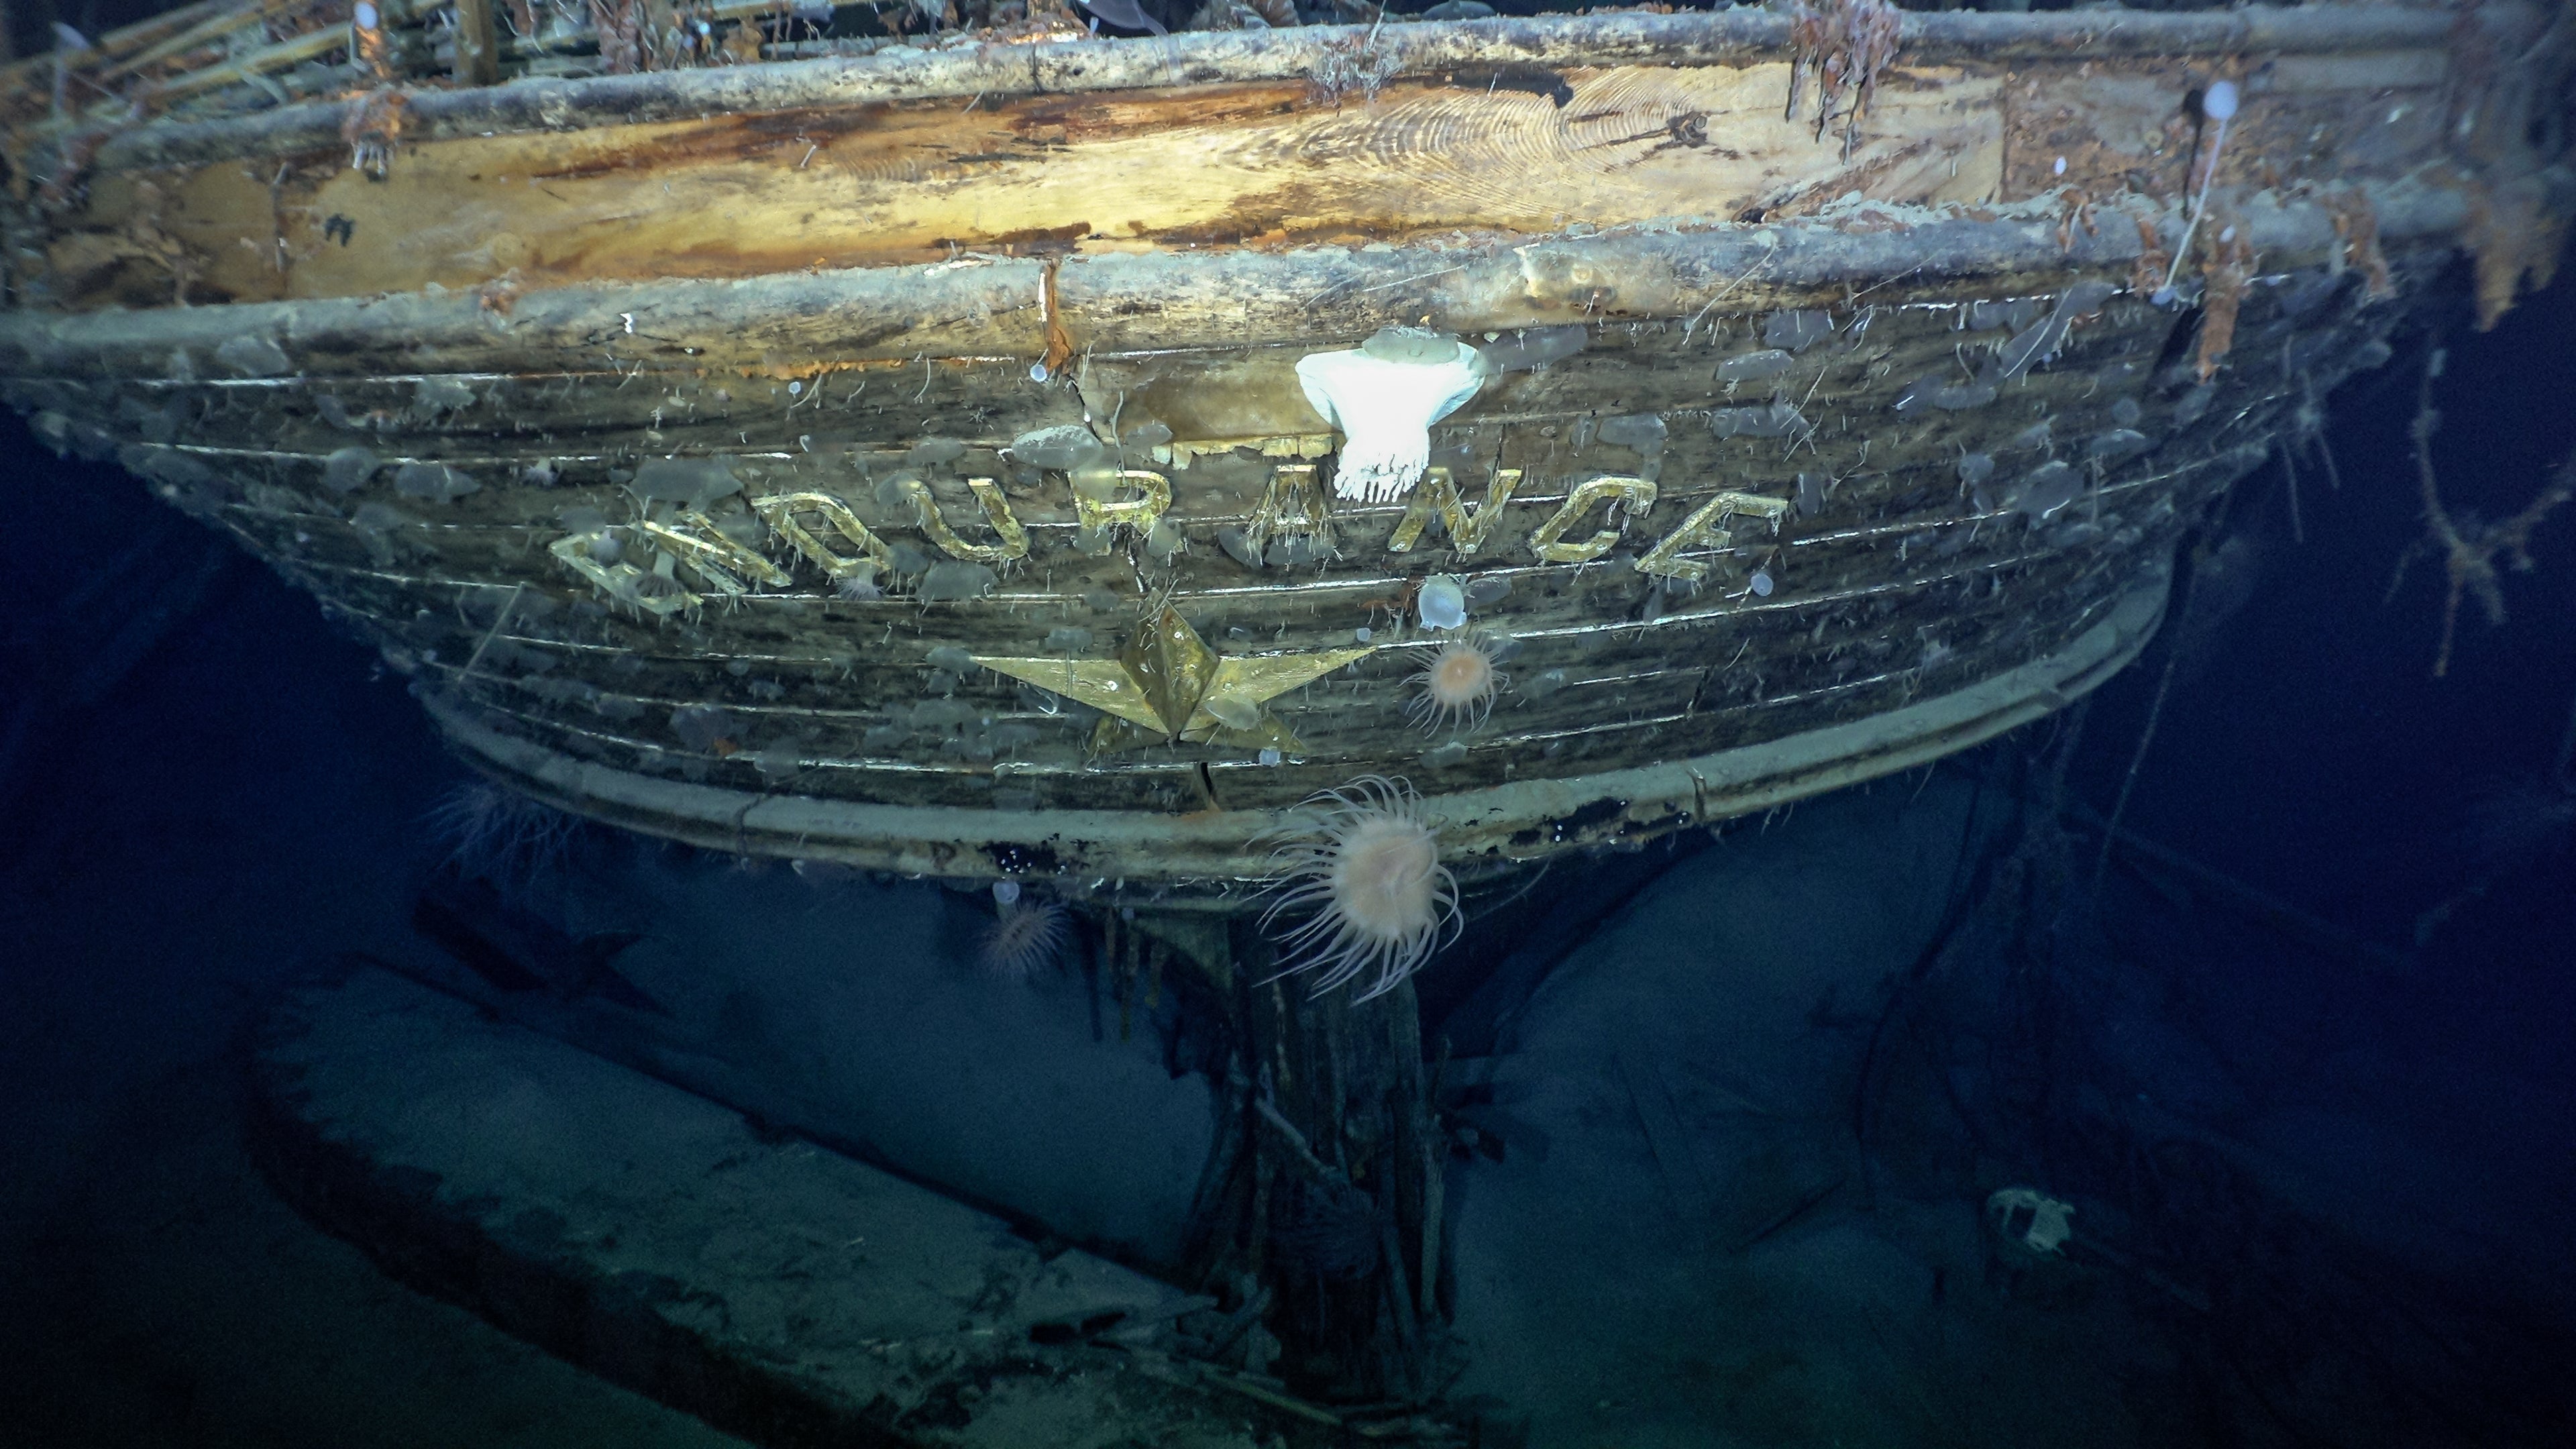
{"x": 1026, "y": 936}
{"x": 1365, "y": 873}
{"x": 498, "y": 834}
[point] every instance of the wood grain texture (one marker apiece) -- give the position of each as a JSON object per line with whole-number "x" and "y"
{"x": 876, "y": 178}
{"x": 1271, "y": 56}
{"x": 920, "y": 181}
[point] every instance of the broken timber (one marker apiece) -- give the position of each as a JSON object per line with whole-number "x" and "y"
{"x": 775, "y": 1289}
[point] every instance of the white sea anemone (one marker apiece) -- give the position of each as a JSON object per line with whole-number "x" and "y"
{"x": 1366, "y": 874}
{"x": 497, "y": 834}
{"x": 1027, "y": 935}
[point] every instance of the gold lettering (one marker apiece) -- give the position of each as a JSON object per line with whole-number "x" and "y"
{"x": 1294, "y": 505}
{"x": 1634, "y": 497}
{"x": 1141, "y": 513}
{"x": 997, "y": 512}
{"x": 712, "y": 556}
{"x": 1438, "y": 493}
{"x": 1701, "y": 531}
{"x": 620, "y": 581}
{"x": 779, "y": 511}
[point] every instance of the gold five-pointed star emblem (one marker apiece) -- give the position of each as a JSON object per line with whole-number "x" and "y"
{"x": 1167, "y": 683}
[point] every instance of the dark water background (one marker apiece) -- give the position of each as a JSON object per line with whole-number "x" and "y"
{"x": 203, "y": 788}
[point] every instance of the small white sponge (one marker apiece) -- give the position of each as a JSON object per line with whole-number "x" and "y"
{"x": 1384, "y": 409}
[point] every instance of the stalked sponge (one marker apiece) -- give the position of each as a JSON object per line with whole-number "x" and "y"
{"x": 1383, "y": 396}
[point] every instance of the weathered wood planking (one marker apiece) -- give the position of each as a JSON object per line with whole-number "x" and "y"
{"x": 1900, "y": 588}
{"x": 1527, "y": 151}
{"x": 837, "y": 277}
{"x": 946, "y": 316}
{"x": 959, "y": 72}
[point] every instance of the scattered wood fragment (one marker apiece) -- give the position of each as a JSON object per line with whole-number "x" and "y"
{"x": 2226, "y": 269}
{"x": 2515, "y": 239}
{"x": 2357, "y": 223}
{"x": 1845, "y": 45}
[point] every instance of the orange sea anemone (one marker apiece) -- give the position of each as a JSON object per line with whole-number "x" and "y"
{"x": 1366, "y": 874}
{"x": 1458, "y": 684}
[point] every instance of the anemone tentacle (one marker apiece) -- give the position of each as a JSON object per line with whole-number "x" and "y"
{"x": 1366, "y": 876}
{"x": 1025, "y": 937}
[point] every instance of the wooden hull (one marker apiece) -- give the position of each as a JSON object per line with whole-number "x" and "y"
{"x": 1921, "y": 457}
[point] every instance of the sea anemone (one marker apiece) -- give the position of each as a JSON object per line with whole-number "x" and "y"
{"x": 1367, "y": 876}
{"x": 1026, "y": 935}
{"x": 1458, "y": 684}
{"x": 500, "y": 835}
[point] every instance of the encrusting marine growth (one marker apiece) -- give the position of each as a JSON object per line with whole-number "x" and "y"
{"x": 1369, "y": 872}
